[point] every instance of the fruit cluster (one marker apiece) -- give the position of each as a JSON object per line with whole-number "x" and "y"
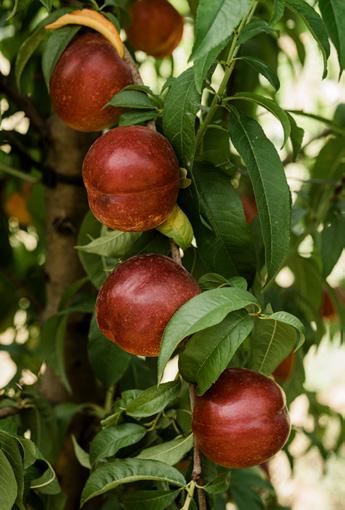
{"x": 131, "y": 175}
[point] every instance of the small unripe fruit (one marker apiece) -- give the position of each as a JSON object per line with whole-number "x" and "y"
{"x": 242, "y": 420}
{"x": 156, "y": 27}
{"x": 139, "y": 298}
{"x": 284, "y": 370}
{"x": 86, "y": 77}
{"x": 131, "y": 175}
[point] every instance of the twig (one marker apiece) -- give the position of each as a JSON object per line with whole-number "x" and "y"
{"x": 323, "y": 134}
{"x": 8, "y": 411}
{"x": 25, "y": 104}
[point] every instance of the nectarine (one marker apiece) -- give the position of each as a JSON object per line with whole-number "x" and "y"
{"x": 138, "y": 299}
{"x": 86, "y": 77}
{"x": 242, "y": 420}
{"x": 131, "y": 176}
{"x": 156, "y": 27}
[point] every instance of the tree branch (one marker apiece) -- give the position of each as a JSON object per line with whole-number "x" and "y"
{"x": 25, "y": 104}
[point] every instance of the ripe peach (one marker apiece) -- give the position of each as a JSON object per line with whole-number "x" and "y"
{"x": 139, "y": 298}
{"x": 242, "y": 420}
{"x": 156, "y": 27}
{"x": 86, "y": 77}
{"x": 132, "y": 178}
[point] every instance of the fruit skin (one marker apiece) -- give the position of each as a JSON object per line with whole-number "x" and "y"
{"x": 284, "y": 370}
{"x": 86, "y": 77}
{"x": 249, "y": 208}
{"x": 139, "y": 298}
{"x": 242, "y": 420}
{"x": 156, "y": 27}
{"x": 131, "y": 175}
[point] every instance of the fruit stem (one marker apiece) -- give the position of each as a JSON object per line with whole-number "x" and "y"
{"x": 190, "y": 492}
{"x": 109, "y": 397}
{"x": 196, "y": 474}
{"x": 229, "y": 67}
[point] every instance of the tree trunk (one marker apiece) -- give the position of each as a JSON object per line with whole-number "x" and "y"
{"x": 66, "y": 205}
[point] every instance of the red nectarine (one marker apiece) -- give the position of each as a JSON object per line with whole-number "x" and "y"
{"x": 131, "y": 175}
{"x": 86, "y": 77}
{"x": 156, "y": 27}
{"x": 139, "y": 298}
{"x": 242, "y": 420}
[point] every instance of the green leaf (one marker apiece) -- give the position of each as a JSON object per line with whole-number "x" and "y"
{"x": 92, "y": 264}
{"x": 333, "y": 14}
{"x": 254, "y": 28}
{"x": 215, "y": 22}
{"x": 262, "y": 68}
{"x": 273, "y": 340}
{"x": 153, "y": 400}
{"x": 181, "y": 104}
{"x": 208, "y": 353}
{"x": 214, "y": 280}
{"x": 26, "y": 51}
{"x": 137, "y": 117}
{"x": 48, "y": 4}
{"x": 315, "y": 24}
{"x": 272, "y": 194}
{"x": 11, "y": 448}
{"x": 271, "y": 106}
{"x": 296, "y": 136}
{"x": 108, "y": 361}
{"x": 132, "y": 99}
{"x": 202, "y": 65}
{"x": 110, "y": 440}
{"x": 278, "y": 11}
{"x": 52, "y": 344}
{"x": 202, "y": 311}
{"x": 31, "y": 44}
{"x": 56, "y": 45}
{"x": 218, "y": 485}
{"x": 109, "y": 476}
{"x": 247, "y": 488}
{"x": 171, "y": 451}
{"x": 82, "y": 456}
{"x": 149, "y": 500}
{"x": 332, "y": 240}
{"x": 8, "y": 484}
{"x": 229, "y": 244}
{"x": 112, "y": 244}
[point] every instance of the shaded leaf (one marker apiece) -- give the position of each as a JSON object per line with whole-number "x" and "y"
{"x": 271, "y": 190}
{"x": 56, "y": 45}
{"x": 315, "y": 24}
{"x": 149, "y": 500}
{"x": 181, "y": 104}
{"x": 109, "y": 476}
